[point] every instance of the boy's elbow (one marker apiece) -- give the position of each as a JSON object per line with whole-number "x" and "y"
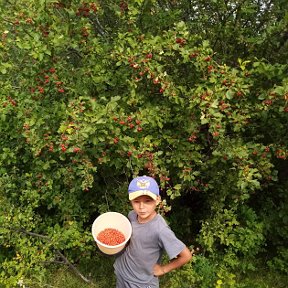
{"x": 187, "y": 255}
{"x": 190, "y": 255}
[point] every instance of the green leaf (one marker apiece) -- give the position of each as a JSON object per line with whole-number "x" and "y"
{"x": 229, "y": 94}
{"x": 177, "y": 187}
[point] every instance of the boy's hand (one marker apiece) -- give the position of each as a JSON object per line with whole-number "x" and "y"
{"x": 158, "y": 270}
{"x": 183, "y": 258}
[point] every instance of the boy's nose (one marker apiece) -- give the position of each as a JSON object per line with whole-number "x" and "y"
{"x": 141, "y": 204}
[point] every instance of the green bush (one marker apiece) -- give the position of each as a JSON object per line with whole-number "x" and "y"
{"x": 93, "y": 93}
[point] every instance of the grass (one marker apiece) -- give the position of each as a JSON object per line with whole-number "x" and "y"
{"x": 263, "y": 278}
{"x": 101, "y": 271}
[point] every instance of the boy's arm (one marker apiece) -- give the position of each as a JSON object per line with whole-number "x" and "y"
{"x": 183, "y": 258}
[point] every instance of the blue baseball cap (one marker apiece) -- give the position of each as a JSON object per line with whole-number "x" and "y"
{"x": 143, "y": 185}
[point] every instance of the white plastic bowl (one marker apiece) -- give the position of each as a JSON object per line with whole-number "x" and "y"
{"x": 113, "y": 220}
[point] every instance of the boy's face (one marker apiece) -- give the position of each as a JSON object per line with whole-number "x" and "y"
{"x": 145, "y": 207}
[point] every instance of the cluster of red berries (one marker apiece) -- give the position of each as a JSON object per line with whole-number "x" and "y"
{"x": 111, "y": 237}
{"x": 164, "y": 178}
{"x": 64, "y": 144}
{"x": 45, "y": 78}
{"x": 223, "y": 106}
{"x": 44, "y": 30}
{"x": 180, "y": 41}
{"x": 123, "y": 6}
{"x": 29, "y": 20}
{"x": 193, "y": 55}
{"x": 281, "y": 154}
{"x": 63, "y": 147}
{"x": 130, "y": 122}
{"x": 145, "y": 70}
{"x": 268, "y": 102}
{"x": 210, "y": 68}
{"x": 11, "y": 101}
{"x": 85, "y": 9}
{"x": 192, "y": 138}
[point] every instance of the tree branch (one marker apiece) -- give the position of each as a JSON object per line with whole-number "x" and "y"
{"x": 97, "y": 25}
{"x": 65, "y": 260}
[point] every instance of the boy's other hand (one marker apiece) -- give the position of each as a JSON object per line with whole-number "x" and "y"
{"x": 158, "y": 270}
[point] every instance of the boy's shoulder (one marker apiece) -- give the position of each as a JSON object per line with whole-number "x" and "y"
{"x": 132, "y": 215}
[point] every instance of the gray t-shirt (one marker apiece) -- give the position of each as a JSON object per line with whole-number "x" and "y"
{"x": 147, "y": 244}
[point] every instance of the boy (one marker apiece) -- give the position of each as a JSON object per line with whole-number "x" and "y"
{"x": 139, "y": 266}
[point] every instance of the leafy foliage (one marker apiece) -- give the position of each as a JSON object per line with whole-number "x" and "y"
{"x": 96, "y": 92}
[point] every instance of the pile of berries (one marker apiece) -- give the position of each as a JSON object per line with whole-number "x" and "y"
{"x": 111, "y": 237}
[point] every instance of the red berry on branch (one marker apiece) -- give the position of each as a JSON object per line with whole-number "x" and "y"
{"x": 40, "y": 89}
{"x": 76, "y": 150}
{"x": 268, "y": 102}
{"x": 156, "y": 81}
{"x": 63, "y": 148}
{"x": 29, "y": 21}
{"x": 180, "y": 40}
{"x": 193, "y": 55}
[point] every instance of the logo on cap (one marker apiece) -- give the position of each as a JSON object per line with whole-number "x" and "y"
{"x": 143, "y": 183}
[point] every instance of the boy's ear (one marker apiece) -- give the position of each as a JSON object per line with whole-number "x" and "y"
{"x": 158, "y": 200}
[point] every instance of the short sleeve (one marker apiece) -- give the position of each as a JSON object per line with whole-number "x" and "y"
{"x": 170, "y": 243}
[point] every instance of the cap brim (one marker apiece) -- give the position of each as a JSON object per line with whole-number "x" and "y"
{"x": 136, "y": 194}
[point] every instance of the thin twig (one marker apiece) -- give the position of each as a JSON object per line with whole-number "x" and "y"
{"x": 72, "y": 267}
{"x": 66, "y": 261}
